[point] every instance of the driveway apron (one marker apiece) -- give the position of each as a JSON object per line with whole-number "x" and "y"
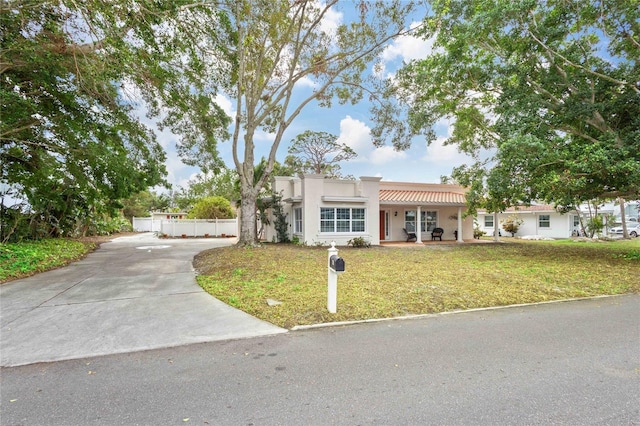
{"x": 133, "y": 293}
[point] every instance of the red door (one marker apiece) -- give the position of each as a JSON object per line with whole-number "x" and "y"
{"x": 382, "y": 225}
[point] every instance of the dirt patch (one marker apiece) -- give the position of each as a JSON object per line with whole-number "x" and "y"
{"x": 99, "y": 239}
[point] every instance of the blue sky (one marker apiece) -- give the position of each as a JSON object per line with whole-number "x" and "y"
{"x": 421, "y": 163}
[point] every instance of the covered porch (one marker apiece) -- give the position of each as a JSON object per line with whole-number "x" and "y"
{"x": 419, "y": 211}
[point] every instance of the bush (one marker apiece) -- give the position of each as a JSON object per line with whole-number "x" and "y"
{"x": 110, "y": 225}
{"x": 212, "y": 208}
{"x": 477, "y": 233}
{"x": 511, "y": 224}
{"x": 358, "y": 242}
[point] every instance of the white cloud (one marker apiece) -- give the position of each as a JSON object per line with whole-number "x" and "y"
{"x": 438, "y": 152}
{"x": 407, "y": 48}
{"x": 332, "y": 19}
{"x": 306, "y": 82}
{"x": 355, "y": 134}
{"x": 403, "y": 49}
{"x": 386, "y": 154}
{"x": 226, "y": 105}
{"x": 261, "y": 136}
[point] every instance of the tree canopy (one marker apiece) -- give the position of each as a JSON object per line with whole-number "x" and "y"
{"x": 73, "y": 73}
{"x": 212, "y": 208}
{"x": 274, "y": 47}
{"x": 318, "y": 153}
{"x": 551, "y": 87}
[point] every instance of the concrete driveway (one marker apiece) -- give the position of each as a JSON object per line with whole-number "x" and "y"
{"x": 134, "y": 293}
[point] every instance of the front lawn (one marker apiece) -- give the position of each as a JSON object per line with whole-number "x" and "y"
{"x": 383, "y": 282}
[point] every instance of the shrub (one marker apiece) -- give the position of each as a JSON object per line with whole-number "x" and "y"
{"x": 212, "y": 208}
{"x": 358, "y": 242}
{"x": 511, "y": 224}
{"x": 477, "y": 233}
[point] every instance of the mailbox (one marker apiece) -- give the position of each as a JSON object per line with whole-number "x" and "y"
{"x": 336, "y": 263}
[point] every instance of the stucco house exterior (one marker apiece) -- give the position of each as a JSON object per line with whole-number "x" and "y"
{"x": 321, "y": 210}
{"x": 541, "y": 219}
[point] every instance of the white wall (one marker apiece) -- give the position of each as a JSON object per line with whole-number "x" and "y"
{"x": 312, "y": 192}
{"x": 199, "y": 227}
{"x": 561, "y": 225}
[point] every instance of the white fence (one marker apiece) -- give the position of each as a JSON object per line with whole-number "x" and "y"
{"x": 146, "y": 224}
{"x": 187, "y": 227}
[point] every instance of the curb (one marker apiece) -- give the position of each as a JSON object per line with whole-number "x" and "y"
{"x": 459, "y": 311}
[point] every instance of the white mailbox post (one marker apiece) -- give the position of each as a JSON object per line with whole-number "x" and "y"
{"x": 335, "y": 266}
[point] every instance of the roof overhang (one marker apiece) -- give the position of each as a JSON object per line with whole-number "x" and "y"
{"x": 338, "y": 199}
{"x": 421, "y": 198}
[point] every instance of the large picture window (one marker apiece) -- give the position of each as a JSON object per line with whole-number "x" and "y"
{"x": 342, "y": 219}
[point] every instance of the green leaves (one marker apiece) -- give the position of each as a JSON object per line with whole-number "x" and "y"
{"x": 26, "y": 258}
{"x": 551, "y": 86}
{"x": 212, "y": 208}
{"x": 318, "y": 153}
{"x": 68, "y": 138}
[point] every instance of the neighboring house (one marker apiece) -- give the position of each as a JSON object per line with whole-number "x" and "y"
{"x": 321, "y": 210}
{"x": 154, "y": 221}
{"x": 543, "y": 220}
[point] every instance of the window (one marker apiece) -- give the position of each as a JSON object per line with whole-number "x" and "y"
{"x": 430, "y": 219}
{"x": 544, "y": 221}
{"x": 342, "y": 219}
{"x": 327, "y": 219}
{"x": 410, "y": 220}
{"x": 488, "y": 221}
{"x": 297, "y": 220}
{"x": 576, "y": 221}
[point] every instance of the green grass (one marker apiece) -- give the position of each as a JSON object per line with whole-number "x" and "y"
{"x": 18, "y": 260}
{"x": 383, "y": 282}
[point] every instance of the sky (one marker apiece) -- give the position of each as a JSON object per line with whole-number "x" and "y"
{"x": 352, "y": 124}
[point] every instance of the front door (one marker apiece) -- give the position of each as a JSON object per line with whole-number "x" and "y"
{"x": 383, "y": 225}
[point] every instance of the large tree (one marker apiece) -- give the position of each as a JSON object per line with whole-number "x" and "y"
{"x": 71, "y": 142}
{"x": 551, "y": 87}
{"x": 319, "y": 153}
{"x": 276, "y": 46}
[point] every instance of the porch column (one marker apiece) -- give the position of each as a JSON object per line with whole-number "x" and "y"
{"x": 418, "y": 228}
{"x": 460, "y": 225}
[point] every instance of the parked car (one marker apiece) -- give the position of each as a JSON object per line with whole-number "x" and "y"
{"x": 633, "y": 228}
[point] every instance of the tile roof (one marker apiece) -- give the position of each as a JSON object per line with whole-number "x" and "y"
{"x": 395, "y": 196}
{"x": 523, "y": 209}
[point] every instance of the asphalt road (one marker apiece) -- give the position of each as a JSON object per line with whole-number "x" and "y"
{"x": 570, "y": 363}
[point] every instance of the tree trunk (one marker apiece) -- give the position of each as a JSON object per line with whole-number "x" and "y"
{"x": 248, "y": 235}
{"x": 623, "y": 218}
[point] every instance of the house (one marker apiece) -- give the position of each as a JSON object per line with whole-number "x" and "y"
{"x": 540, "y": 219}
{"x": 154, "y": 221}
{"x": 321, "y": 210}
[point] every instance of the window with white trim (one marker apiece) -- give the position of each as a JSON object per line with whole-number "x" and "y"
{"x": 430, "y": 219}
{"x": 544, "y": 221}
{"x": 297, "y": 220}
{"x": 488, "y": 221}
{"x": 410, "y": 220}
{"x": 342, "y": 219}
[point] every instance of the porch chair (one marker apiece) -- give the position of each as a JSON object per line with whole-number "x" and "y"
{"x": 437, "y": 233}
{"x": 410, "y": 235}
